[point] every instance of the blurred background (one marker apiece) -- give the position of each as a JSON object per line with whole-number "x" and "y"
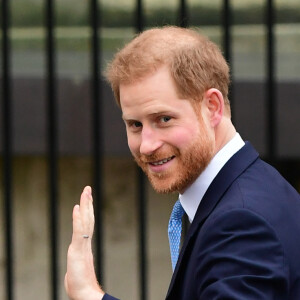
{"x": 61, "y": 130}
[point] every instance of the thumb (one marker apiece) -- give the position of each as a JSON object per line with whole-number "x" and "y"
{"x": 66, "y": 283}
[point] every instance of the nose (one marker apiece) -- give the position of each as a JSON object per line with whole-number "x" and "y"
{"x": 150, "y": 141}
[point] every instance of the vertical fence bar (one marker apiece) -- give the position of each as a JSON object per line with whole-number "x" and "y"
{"x": 7, "y": 151}
{"x": 52, "y": 147}
{"x": 184, "y": 22}
{"x": 142, "y": 211}
{"x": 227, "y": 29}
{"x": 139, "y": 16}
{"x": 183, "y": 14}
{"x": 142, "y": 201}
{"x": 227, "y": 46}
{"x": 97, "y": 137}
{"x": 271, "y": 85}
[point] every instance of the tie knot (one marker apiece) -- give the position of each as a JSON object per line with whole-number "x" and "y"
{"x": 177, "y": 211}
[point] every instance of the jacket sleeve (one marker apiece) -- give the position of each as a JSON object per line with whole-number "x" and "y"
{"x": 108, "y": 297}
{"x": 239, "y": 256}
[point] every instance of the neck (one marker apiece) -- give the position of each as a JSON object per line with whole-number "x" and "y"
{"x": 224, "y": 132}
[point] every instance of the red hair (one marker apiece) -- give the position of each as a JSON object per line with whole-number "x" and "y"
{"x": 196, "y": 64}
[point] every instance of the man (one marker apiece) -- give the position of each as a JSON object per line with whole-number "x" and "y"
{"x": 243, "y": 243}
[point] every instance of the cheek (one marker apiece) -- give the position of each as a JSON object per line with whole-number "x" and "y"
{"x": 133, "y": 144}
{"x": 184, "y": 137}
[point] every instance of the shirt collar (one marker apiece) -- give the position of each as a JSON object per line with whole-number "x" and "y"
{"x": 193, "y": 195}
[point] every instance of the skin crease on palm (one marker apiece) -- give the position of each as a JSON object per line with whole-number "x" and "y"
{"x": 170, "y": 139}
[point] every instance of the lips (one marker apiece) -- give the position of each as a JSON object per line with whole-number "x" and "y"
{"x": 161, "y": 162}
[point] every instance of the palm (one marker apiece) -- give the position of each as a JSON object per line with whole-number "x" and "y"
{"x": 80, "y": 279}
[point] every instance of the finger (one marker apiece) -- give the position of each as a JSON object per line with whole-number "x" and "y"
{"x": 66, "y": 283}
{"x": 88, "y": 211}
{"x": 91, "y": 214}
{"x": 77, "y": 225}
{"x": 85, "y": 210}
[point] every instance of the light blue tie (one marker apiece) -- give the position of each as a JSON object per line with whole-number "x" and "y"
{"x": 174, "y": 231}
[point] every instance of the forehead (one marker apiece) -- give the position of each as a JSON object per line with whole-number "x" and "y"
{"x": 155, "y": 89}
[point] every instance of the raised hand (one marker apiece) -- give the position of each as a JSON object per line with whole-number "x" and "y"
{"x": 80, "y": 280}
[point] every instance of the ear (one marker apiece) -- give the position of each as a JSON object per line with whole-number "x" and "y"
{"x": 214, "y": 102}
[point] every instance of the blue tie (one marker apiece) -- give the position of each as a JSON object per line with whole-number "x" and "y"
{"x": 174, "y": 231}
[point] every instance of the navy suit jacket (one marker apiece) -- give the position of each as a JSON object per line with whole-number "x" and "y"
{"x": 244, "y": 242}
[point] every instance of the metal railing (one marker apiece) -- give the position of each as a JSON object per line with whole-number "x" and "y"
{"x": 95, "y": 79}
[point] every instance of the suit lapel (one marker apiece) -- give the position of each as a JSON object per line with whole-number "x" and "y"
{"x": 237, "y": 164}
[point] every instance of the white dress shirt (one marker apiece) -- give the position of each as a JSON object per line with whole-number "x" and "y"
{"x": 193, "y": 195}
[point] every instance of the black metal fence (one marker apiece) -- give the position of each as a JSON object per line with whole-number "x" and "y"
{"x": 286, "y": 166}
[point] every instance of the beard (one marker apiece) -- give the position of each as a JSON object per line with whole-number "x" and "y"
{"x": 190, "y": 163}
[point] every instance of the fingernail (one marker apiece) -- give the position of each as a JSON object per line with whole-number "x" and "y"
{"x": 76, "y": 208}
{"x": 88, "y": 190}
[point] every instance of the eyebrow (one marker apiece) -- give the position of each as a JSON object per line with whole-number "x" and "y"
{"x": 154, "y": 114}
{"x": 129, "y": 121}
{"x": 162, "y": 113}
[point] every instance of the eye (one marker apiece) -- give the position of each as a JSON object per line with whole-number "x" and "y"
{"x": 136, "y": 124}
{"x": 133, "y": 125}
{"x": 165, "y": 119}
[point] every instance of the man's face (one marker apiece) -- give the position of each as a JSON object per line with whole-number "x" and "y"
{"x": 169, "y": 141}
